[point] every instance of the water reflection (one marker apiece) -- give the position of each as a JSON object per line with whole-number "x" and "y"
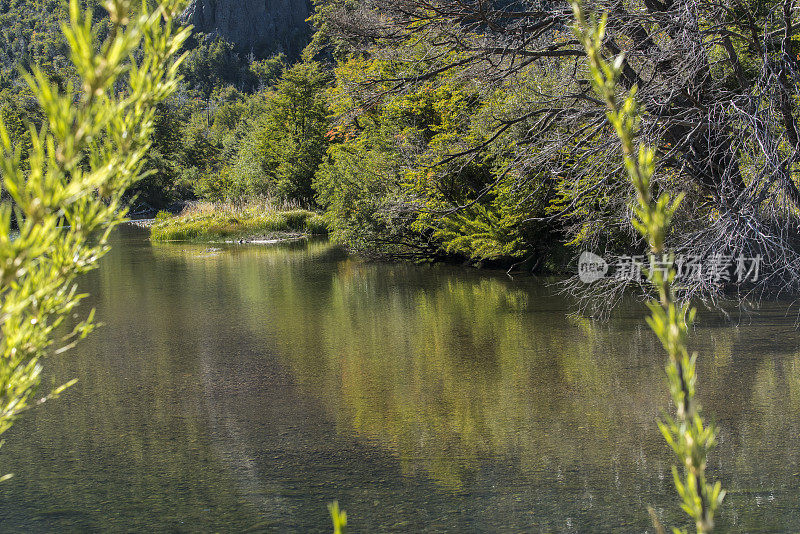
{"x": 244, "y": 388}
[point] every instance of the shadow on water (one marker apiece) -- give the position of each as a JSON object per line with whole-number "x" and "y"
{"x": 244, "y": 388}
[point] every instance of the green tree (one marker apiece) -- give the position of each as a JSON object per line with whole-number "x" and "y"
{"x": 158, "y": 187}
{"x": 389, "y": 185}
{"x": 89, "y": 151}
{"x": 288, "y": 143}
{"x": 210, "y": 64}
{"x": 269, "y": 70}
{"x": 14, "y": 116}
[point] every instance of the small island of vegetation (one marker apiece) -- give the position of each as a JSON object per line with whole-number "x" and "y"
{"x": 251, "y": 223}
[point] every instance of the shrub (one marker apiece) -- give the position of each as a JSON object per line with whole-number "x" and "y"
{"x": 317, "y": 225}
{"x": 296, "y": 219}
{"x": 162, "y": 216}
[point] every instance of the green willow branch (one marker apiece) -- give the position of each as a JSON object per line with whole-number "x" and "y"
{"x": 90, "y": 149}
{"x": 339, "y": 518}
{"x": 686, "y": 433}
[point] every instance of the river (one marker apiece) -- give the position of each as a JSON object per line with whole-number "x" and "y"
{"x": 242, "y": 389}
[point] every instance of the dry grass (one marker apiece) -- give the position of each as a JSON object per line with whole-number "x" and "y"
{"x": 204, "y": 221}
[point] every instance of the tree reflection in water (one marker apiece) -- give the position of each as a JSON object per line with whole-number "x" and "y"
{"x": 247, "y": 387}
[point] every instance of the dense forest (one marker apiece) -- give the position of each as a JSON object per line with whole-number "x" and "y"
{"x": 469, "y": 130}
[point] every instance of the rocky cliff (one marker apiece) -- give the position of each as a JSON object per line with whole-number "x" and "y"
{"x": 264, "y": 27}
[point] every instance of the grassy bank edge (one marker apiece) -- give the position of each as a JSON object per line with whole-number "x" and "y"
{"x": 212, "y": 222}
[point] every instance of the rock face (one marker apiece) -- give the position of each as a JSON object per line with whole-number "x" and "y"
{"x": 263, "y": 27}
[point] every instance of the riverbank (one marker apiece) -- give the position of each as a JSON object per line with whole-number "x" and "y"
{"x": 253, "y": 223}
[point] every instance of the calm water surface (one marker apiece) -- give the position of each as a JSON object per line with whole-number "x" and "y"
{"x": 241, "y": 390}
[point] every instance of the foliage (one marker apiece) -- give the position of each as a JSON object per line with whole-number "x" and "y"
{"x": 357, "y": 183}
{"x": 89, "y": 150}
{"x": 162, "y": 216}
{"x": 389, "y": 186}
{"x": 196, "y": 129}
{"x": 214, "y": 63}
{"x": 225, "y": 144}
{"x": 30, "y": 37}
{"x": 686, "y": 433}
{"x": 718, "y": 85}
{"x": 287, "y": 142}
{"x": 268, "y": 70}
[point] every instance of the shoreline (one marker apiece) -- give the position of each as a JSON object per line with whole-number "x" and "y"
{"x": 140, "y": 223}
{"x": 254, "y": 239}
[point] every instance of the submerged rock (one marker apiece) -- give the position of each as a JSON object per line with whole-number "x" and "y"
{"x": 263, "y": 27}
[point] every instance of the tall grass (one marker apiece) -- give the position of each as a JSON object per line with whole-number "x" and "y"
{"x": 204, "y": 221}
